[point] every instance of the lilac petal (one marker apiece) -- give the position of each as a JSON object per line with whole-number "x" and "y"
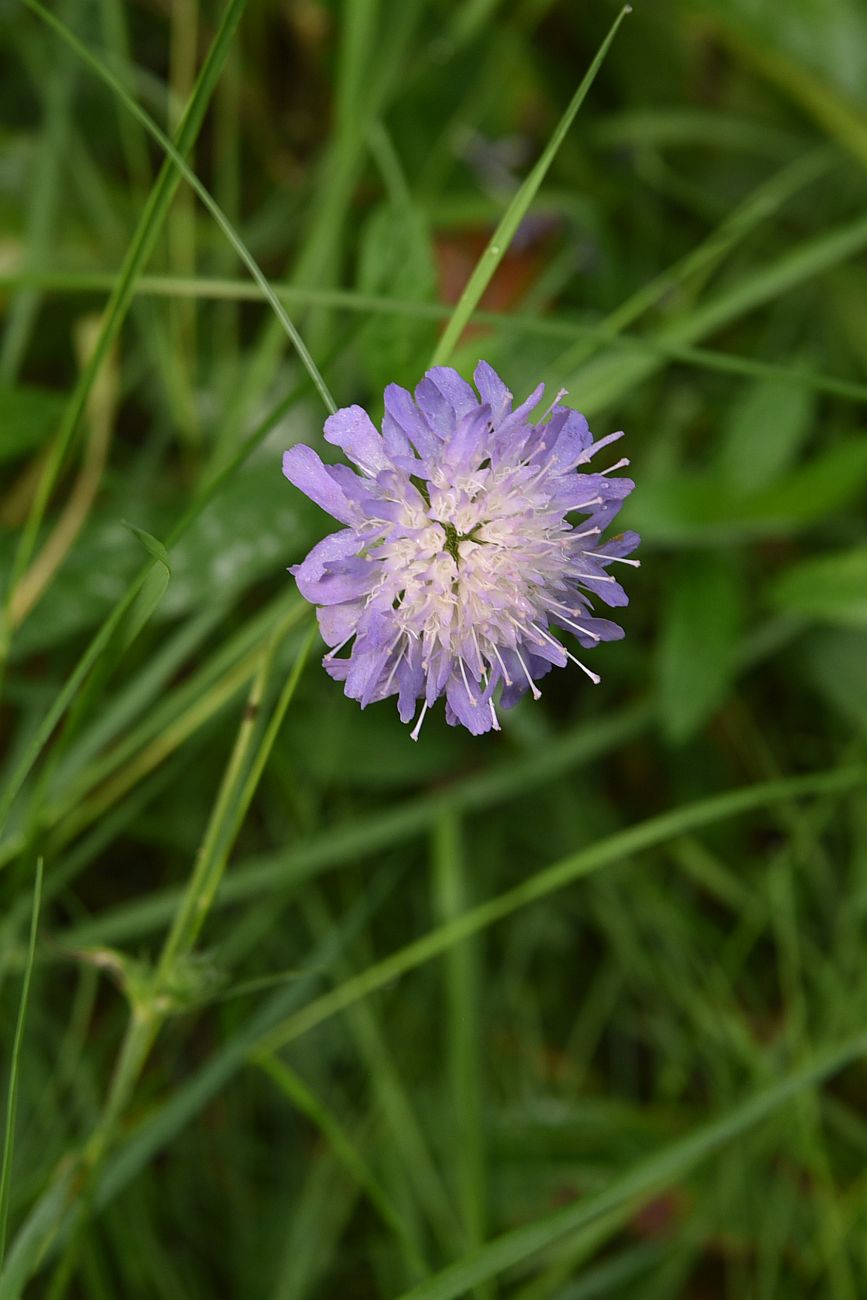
{"x": 470, "y": 708}
{"x": 514, "y": 430}
{"x": 352, "y": 430}
{"x": 601, "y": 516}
{"x": 623, "y": 544}
{"x": 333, "y": 572}
{"x": 465, "y": 448}
{"x": 518, "y": 686}
{"x": 336, "y": 668}
{"x": 337, "y": 623}
{"x": 410, "y": 683}
{"x": 603, "y": 442}
{"x": 551, "y": 651}
{"x": 493, "y": 391}
{"x": 588, "y": 631}
{"x": 436, "y": 408}
{"x": 365, "y": 674}
{"x": 438, "y": 671}
{"x": 571, "y": 442}
{"x": 589, "y": 492}
{"x": 402, "y": 416}
{"x": 446, "y": 400}
{"x": 303, "y": 467}
{"x": 605, "y": 587}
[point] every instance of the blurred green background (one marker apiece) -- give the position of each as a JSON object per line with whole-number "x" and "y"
{"x": 261, "y": 1057}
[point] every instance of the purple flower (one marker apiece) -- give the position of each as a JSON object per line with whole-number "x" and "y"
{"x": 458, "y": 571}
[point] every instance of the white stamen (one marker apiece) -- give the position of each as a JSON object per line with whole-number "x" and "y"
{"x": 594, "y": 677}
{"x": 585, "y": 631}
{"x": 593, "y": 577}
{"x": 414, "y": 734}
{"x": 597, "y": 446}
{"x": 466, "y": 683}
{"x": 563, "y": 392}
{"x": 585, "y": 532}
{"x": 506, "y": 678}
{"x": 338, "y": 648}
{"x": 611, "y": 468}
{"x": 614, "y": 559}
{"x": 552, "y": 639}
{"x": 536, "y": 693}
{"x": 390, "y": 678}
{"x": 495, "y": 721}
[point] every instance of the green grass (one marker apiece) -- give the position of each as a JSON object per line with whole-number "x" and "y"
{"x": 311, "y": 1011}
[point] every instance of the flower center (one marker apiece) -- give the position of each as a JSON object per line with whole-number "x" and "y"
{"x": 454, "y": 539}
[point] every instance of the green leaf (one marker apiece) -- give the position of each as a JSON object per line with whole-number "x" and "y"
{"x": 698, "y": 508}
{"x": 835, "y": 662}
{"x": 699, "y": 639}
{"x": 830, "y": 589}
{"x": 151, "y": 544}
{"x": 396, "y": 258}
{"x": 27, "y": 416}
{"x": 153, "y": 588}
{"x": 765, "y": 430}
{"x": 827, "y": 483}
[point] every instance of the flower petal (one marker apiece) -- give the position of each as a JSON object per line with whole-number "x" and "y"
{"x": 471, "y": 710}
{"x": 445, "y": 397}
{"x": 493, "y": 391}
{"x": 352, "y": 429}
{"x": 304, "y": 468}
{"x": 338, "y": 622}
{"x": 333, "y": 572}
{"x": 402, "y": 416}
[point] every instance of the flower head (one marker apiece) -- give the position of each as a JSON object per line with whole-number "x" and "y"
{"x": 458, "y": 571}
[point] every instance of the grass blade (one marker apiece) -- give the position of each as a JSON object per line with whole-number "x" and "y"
{"x": 368, "y": 835}
{"x": 636, "y": 1184}
{"x": 517, "y": 210}
{"x": 190, "y": 177}
{"x": 464, "y": 1036}
{"x": 228, "y": 290}
{"x": 635, "y": 839}
{"x": 15, "y": 1062}
{"x": 137, "y": 254}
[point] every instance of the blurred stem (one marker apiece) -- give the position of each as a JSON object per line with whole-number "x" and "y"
{"x": 842, "y": 120}
{"x": 56, "y": 84}
{"x": 152, "y": 1005}
{"x": 121, "y": 296}
{"x": 101, "y": 410}
{"x": 614, "y": 848}
{"x": 507, "y": 227}
{"x": 232, "y": 290}
{"x": 227, "y": 191}
{"x": 344, "y": 1149}
{"x": 700, "y": 263}
{"x": 236, "y": 793}
{"x": 182, "y": 225}
{"x": 463, "y": 1048}
{"x": 133, "y": 141}
{"x": 15, "y": 1061}
{"x": 803, "y": 852}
